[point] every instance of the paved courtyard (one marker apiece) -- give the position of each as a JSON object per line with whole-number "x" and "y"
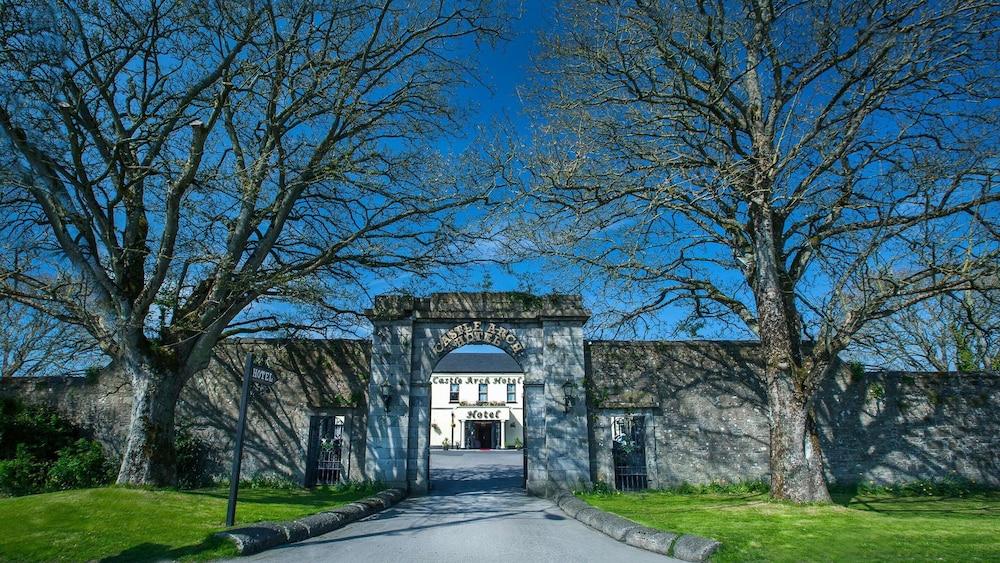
{"x": 476, "y": 511}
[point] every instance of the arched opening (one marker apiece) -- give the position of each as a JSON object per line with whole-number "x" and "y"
{"x": 477, "y": 420}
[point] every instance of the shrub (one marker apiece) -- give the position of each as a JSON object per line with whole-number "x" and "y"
{"x": 80, "y": 465}
{"x": 723, "y": 488}
{"x": 192, "y": 461}
{"x": 948, "y": 487}
{"x": 40, "y": 430}
{"x": 604, "y": 488}
{"x": 363, "y": 487}
{"x": 41, "y": 450}
{"x": 22, "y": 474}
{"x": 269, "y": 481}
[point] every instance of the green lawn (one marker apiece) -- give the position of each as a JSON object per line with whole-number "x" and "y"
{"x": 117, "y": 524}
{"x": 856, "y": 528}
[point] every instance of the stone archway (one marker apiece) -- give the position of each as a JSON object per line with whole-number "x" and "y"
{"x": 544, "y": 334}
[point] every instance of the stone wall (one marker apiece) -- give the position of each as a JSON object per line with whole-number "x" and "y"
{"x": 706, "y": 417}
{"x": 100, "y": 406}
{"x": 315, "y": 378}
{"x": 704, "y": 408}
{"x": 888, "y": 427}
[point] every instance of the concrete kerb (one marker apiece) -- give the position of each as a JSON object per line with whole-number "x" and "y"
{"x": 694, "y": 548}
{"x": 265, "y": 535}
{"x": 687, "y": 547}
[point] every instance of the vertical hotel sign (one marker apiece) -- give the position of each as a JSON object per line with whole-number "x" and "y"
{"x": 476, "y": 332}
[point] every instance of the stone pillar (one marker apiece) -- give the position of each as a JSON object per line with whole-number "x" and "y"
{"x": 356, "y": 430}
{"x": 419, "y": 455}
{"x": 652, "y": 455}
{"x": 533, "y": 409}
{"x": 601, "y": 448}
{"x": 567, "y": 448}
{"x": 534, "y": 437}
{"x": 388, "y": 429}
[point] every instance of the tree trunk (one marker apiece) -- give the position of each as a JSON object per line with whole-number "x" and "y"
{"x": 796, "y": 463}
{"x": 150, "y": 457}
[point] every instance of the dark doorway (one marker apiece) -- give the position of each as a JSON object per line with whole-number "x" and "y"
{"x": 482, "y": 434}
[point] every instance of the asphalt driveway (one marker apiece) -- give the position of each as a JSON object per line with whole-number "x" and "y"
{"x": 477, "y": 511}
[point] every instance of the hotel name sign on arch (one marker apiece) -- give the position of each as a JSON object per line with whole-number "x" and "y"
{"x": 473, "y": 380}
{"x": 468, "y": 333}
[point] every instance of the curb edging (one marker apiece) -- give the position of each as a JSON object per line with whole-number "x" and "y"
{"x": 682, "y": 546}
{"x": 261, "y": 536}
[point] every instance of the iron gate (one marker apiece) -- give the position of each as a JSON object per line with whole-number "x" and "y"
{"x": 629, "y": 453}
{"x": 329, "y": 461}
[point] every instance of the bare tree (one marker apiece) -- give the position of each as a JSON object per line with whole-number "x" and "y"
{"x": 197, "y": 168}
{"x": 794, "y": 168}
{"x": 33, "y": 344}
{"x": 949, "y": 332}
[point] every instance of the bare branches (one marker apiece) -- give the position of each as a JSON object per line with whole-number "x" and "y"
{"x": 802, "y": 168}
{"x": 35, "y": 343}
{"x": 191, "y": 159}
{"x": 837, "y": 160}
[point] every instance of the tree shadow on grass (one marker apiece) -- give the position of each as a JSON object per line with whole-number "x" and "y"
{"x": 972, "y": 504}
{"x": 315, "y": 498}
{"x": 210, "y": 548}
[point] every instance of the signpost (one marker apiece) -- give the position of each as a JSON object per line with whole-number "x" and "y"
{"x": 262, "y": 378}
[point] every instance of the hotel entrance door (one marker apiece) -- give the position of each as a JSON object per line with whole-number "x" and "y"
{"x": 482, "y": 434}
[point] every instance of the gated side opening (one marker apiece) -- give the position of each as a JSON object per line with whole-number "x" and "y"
{"x": 629, "y": 453}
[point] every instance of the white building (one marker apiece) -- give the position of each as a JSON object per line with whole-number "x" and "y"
{"x": 477, "y": 402}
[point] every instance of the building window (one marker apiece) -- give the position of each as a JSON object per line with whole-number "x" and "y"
{"x": 482, "y": 393}
{"x": 453, "y": 393}
{"x": 511, "y": 393}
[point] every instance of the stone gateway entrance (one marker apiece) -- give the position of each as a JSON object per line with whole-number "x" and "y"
{"x": 543, "y": 334}
{"x": 646, "y": 414}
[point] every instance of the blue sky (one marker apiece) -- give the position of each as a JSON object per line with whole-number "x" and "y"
{"x": 504, "y": 69}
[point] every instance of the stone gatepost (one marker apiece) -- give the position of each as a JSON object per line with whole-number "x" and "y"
{"x": 387, "y": 441}
{"x": 544, "y": 334}
{"x": 567, "y": 446}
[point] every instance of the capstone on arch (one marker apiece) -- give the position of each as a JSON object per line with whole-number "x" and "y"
{"x": 544, "y": 334}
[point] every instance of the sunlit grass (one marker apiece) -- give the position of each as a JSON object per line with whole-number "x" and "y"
{"x": 119, "y": 524}
{"x": 855, "y": 528}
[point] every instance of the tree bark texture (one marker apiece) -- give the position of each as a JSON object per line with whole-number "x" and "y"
{"x": 795, "y": 460}
{"x": 150, "y": 456}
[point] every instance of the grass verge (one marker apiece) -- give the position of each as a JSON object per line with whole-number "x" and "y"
{"x": 119, "y": 524}
{"x": 873, "y": 527}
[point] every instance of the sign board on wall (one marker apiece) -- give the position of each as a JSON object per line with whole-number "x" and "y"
{"x": 485, "y": 414}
